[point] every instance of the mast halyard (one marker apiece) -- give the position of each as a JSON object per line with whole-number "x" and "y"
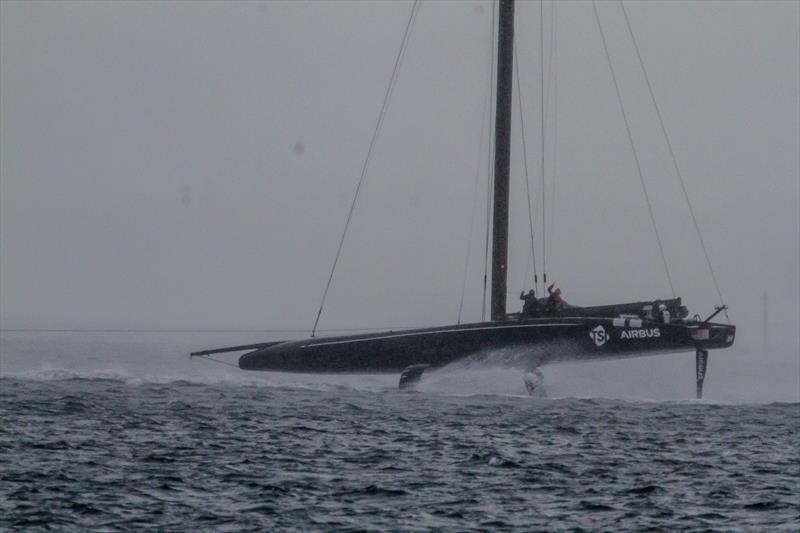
{"x": 502, "y": 155}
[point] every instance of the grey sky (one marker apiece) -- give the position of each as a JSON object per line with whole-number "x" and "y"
{"x": 190, "y": 165}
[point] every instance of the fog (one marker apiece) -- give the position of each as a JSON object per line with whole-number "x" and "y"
{"x": 186, "y": 165}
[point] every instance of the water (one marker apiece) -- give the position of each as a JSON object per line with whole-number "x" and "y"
{"x": 98, "y": 444}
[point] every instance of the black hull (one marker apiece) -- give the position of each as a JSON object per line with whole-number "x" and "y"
{"x": 538, "y": 342}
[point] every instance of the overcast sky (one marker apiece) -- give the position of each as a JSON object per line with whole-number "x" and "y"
{"x": 190, "y": 164}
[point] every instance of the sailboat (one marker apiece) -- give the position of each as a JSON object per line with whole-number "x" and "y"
{"x": 547, "y": 331}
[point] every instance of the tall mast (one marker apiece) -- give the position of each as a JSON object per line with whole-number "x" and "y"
{"x": 502, "y": 155}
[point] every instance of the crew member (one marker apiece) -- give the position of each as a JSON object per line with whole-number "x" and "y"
{"x": 555, "y": 302}
{"x": 531, "y": 305}
{"x": 664, "y": 312}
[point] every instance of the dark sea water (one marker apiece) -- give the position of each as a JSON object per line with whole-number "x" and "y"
{"x": 83, "y": 450}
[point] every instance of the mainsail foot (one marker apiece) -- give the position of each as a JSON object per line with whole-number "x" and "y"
{"x": 701, "y": 365}
{"x": 411, "y": 376}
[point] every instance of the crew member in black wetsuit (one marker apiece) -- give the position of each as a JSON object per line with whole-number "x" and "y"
{"x": 531, "y": 305}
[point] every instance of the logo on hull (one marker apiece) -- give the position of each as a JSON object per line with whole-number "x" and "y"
{"x": 653, "y": 333}
{"x": 599, "y": 335}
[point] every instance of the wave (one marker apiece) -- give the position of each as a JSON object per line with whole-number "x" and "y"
{"x": 249, "y": 379}
{"x": 129, "y": 378}
{"x": 452, "y": 382}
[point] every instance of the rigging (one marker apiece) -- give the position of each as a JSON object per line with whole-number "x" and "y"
{"x": 540, "y": 198}
{"x": 633, "y": 149}
{"x": 552, "y": 78}
{"x": 672, "y": 155}
{"x": 485, "y": 128}
{"x": 489, "y": 173}
{"x": 525, "y": 166}
{"x": 381, "y": 116}
{"x": 541, "y": 111}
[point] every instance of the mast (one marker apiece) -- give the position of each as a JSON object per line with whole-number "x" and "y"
{"x": 502, "y": 155}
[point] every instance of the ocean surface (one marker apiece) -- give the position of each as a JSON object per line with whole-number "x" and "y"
{"x": 115, "y": 433}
